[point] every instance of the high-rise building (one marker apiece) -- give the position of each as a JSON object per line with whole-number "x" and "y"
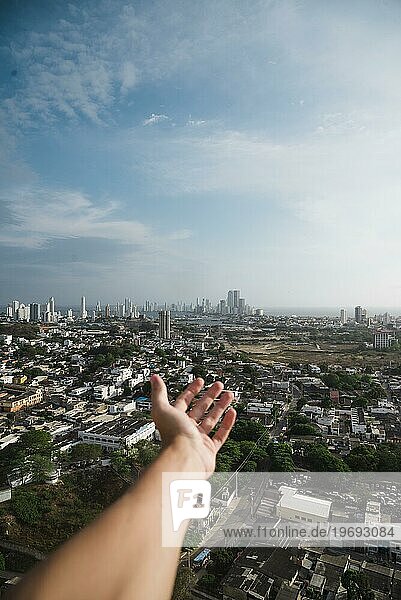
{"x": 230, "y": 299}
{"x": 241, "y": 306}
{"x": 84, "y": 312}
{"x": 343, "y": 316}
{"x": 23, "y": 313}
{"x": 9, "y": 311}
{"x": 164, "y": 325}
{"x": 107, "y": 311}
{"x": 34, "y": 312}
{"x": 222, "y": 307}
{"x": 358, "y": 314}
{"x": 15, "y": 307}
{"x": 236, "y": 295}
{"x": 52, "y": 306}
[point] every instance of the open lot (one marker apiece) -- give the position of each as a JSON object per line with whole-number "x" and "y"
{"x": 266, "y": 351}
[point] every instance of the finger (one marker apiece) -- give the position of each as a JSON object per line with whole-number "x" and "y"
{"x": 212, "y": 418}
{"x": 224, "y": 430}
{"x": 159, "y": 393}
{"x": 192, "y": 390}
{"x": 203, "y": 403}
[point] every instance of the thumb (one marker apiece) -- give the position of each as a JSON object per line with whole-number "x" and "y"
{"x": 159, "y": 393}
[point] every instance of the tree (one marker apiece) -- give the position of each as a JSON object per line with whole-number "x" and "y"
{"x": 280, "y": 457}
{"x": 121, "y": 463}
{"x": 319, "y": 458}
{"x": 247, "y": 430}
{"x": 184, "y": 581}
{"x": 362, "y": 458}
{"x": 26, "y": 506}
{"x": 36, "y": 442}
{"x": 304, "y": 429}
{"x": 144, "y": 453}
{"x": 2, "y": 562}
{"x": 40, "y": 466}
{"x": 357, "y": 586}
{"x": 222, "y": 561}
{"x": 84, "y": 452}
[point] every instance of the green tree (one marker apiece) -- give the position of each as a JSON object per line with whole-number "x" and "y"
{"x": 357, "y": 586}
{"x": 121, "y": 463}
{"x": 362, "y": 458}
{"x": 27, "y": 506}
{"x": 36, "y": 442}
{"x": 222, "y": 561}
{"x": 144, "y": 453}
{"x": 184, "y": 581}
{"x": 247, "y": 430}
{"x": 319, "y": 458}
{"x": 40, "y": 467}
{"x": 84, "y": 452}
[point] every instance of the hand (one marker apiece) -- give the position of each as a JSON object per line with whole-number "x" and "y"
{"x": 176, "y": 425}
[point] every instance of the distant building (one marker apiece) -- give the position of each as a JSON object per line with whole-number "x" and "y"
{"x": 84, "y": 313}
{"x": 17, "y": 397}
{"x": 34, "y": 312}
{"x": 343, "y": 316}
{"x": 164, "y": 324}
{"x": 358, "y": 314}
{"x": 383, "y": 339}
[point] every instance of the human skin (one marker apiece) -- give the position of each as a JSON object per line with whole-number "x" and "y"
{"x": 120, "y": 555}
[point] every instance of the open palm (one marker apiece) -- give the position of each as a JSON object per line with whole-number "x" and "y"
{"x": 173, "y": 421}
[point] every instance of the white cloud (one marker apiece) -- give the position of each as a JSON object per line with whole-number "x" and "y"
{"x": 129, "y": 76}
{"x": 153, "y": 119}
{"x": 41, "y": 215}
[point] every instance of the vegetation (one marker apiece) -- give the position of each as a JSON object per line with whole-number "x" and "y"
{"x": 32, "y": 453}
{"x": 106, "y": 356}
{"x": 21, "y": 330}
{"x": 357, "y": 586}
{"x": 183, "y": 584}
{"x": 386, "y": 457}
{"x": 319, "y": 458}
{"x": 280, "y": 457}
{"x": 85, "y": 452}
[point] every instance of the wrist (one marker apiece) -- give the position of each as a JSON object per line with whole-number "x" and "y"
{"x": 184, "y": 455}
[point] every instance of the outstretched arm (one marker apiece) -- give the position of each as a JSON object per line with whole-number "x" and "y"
{"x": 120, "y": 555}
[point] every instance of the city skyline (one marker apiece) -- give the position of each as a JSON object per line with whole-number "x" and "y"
{"x": 163, "y": 150}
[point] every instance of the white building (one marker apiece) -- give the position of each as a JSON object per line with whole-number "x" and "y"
{"x": 103, "y": 392}
{"x": 300, "y": 508}
{"x": 121, "y": 433}
{"x": 383, "y": 339}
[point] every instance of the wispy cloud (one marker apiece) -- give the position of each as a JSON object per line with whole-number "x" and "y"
{"x": 41, "y": 215}
{"x": 153, "y": 119}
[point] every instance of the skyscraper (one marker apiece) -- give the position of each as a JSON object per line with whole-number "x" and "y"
{"x": 230, "y": 299}
{"x": 358, "y": 314}
{"x": 236, "y": 297}
{"x": 34, "y": 312}
{"x": 164, "y": 325}
{"x": 52, "y": 306}
{"x": 84, "y": 312}
{"x": 343, "y": 316}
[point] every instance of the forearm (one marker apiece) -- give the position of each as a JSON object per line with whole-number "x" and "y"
{"x": 119, "y": 556}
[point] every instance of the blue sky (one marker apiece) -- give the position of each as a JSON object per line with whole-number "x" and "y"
{"x": 169, "y": 150}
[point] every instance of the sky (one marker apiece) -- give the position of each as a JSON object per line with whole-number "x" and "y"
{"x": 177, "y": 149}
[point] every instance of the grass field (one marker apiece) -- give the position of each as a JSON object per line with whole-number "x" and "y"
{"x": 266, "y": 351}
